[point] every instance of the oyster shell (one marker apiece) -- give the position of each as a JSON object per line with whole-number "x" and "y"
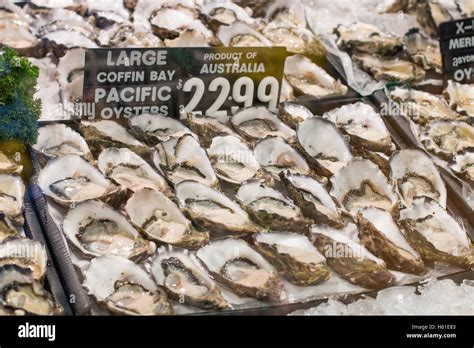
{"x": 70, "y": 75}
{"x": 234, "y": 263}
{"x": 128, "y": 169}
{"x": 48, "y": 89}
{"x": 15, "y": 29}
{"x": 12, "y": 192}
{"x": 240, "y": 34}
{"x": 430, "y": 14}
{"x": 294, "y": 256}
{"x": 414, "y": 175}
{"x": 124, "y": 288}
{"x": 213, "y": 210}
{"x": 226, "y": 12}
{"x": 186, "y": 281}
{"x": 324, "y": 146}
{"x": 364, "y": 126}
{"x": 154, "y": 129}
{"x": 308, "y": 78}
{"x": 422, "y": 50}
{"x": 382, "y": 236}
{"x": 293, "y": 114}
{"x": 7, "y": 230}
{"x": 258, "y": 122}
{"x": 350, "y": 259}
{"x": 436, "y": 235}
{"x": 160, "y": 219}
{"x": 125, "y": 35}
{"x": 313, "y": 199}
{"x": 422, "y": 107}
{"x": 7, "y": 166}
{"x": 25, "y": 253}
{"x": 232, "y": 160}
{"x": 465, "y": 7}
{"x": 445, "y": 138}
{"x": 96, "y": 229}
{"x": 361, "y": 184}
{"x": 391, "y": 69}
{"x": 463, "y": 165}
{"x": 270, "y": 208}
{"x": 460, "y": 97}
{"x": 56, "y": 140}
{"x": 102, "y": 134}
{"x": 71, "y": 179}
{"x": 182, "y": 158}
{"x": 276, "y": 155}
{"x": 367, "y": 38}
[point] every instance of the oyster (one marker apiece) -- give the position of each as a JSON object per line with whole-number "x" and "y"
{"x": 463, "y": 165}
{"x": 422, "y": 107}
{"x": 240, "y": 34}
{"x": 7, "y": 166}
{"x": 125, "y": 35}
{"x": 15, "y": 29}
{"x": 294, "y": 256}
{"x": 7, "y": 230}
{"x": 324, "y": 146}
{"x": 70, "y": 75}
{"x": 465, "y": 7}
{"x": 364, "y": 126}
{"x": 213, "y": 210}
{"x": 25, "y": 253}
{"x": 226, "y": 12}
{"x": 446, "y": 138}
{"x": 270, "y": 208}
{"x": 12, "y": 192}
{"x": 381, "y": 235}
{"x": 128, "y": 169}
{"x": 21, "y": 293}
{"x": 422, "y": 50}
{"x": 430, "y": 14}
{"x": 308, "y": 78}
{"x": 276, "y": 155}
{"x": 293, "y": 114}
{"x": 56, "y": 140}
{"x": 460, "y": 97}
{"x": 182, "y": 158}
{"x": 367, "y": 38}
{"x": 96, "y": 229}
{"x": 71, "y": 179}
{"x": 107, "y": 13}
{"x": 102, "y": 134}
{"x": 124, "y": 287}
{"x": 361, "y": 184}
{"x": 232, "y": 159}
{"x": 350, "y": 259}
{"x": 391, "y": 69}
{"x": 313, "y": 199}
{"x": 48, "y": 89}
{"x": 258, "y": 122}
{"x": 436, "y": 235}
{"x": 186, "y": 281}
{"x": 234, "y": 263}
{"x": 154, "y": 129}
{"x": 160, "y": 219}
{"x": 414, "y": 175}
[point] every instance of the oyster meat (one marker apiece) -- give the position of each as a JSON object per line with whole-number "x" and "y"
{"x": 382, "y": 236}
{"x": 446, "y": 138}
{"x": 436, "y": 235}
{"x": 294, "y": 256}
{"x": 313, "y": 199}
{"x": 97, "y": 229}
{"x": 324, "y": 146}
{"x": 128, "y": 169}
{"x": 308, "y": 78}
{"x": 182, "y": 158}
{"x": 213, "y": 210}
{"x": 415, "y": 175}
{"x": 186, "y": 281}
{"x": 12, "y": 192}
{"x": 234, "y": 263}
{"x": 160, "y": 219}
{"x": 270, "y": 208}
{"x": 361, "y": 184}
{"x": 124, "y": 288}
{"x": 293, "y": 114}
{"x": 460, "y": 97}
{"x": 350, "y": 259}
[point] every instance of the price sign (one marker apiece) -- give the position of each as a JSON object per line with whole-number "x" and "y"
{"x": 121, "y": 83}
{"x": 457, "y": 49}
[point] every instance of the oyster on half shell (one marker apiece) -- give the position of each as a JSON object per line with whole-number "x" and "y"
{"x": 7, "y": 166}
{"x": 12, "y": 192}
{"x": 25, "y": 253}
{"x": 422, "y": 50}
{"x": 463, "y": 165}
{"x": 234, "y": 263}
{"x": 460, "y": 97}
{"x": 293, "y": 114}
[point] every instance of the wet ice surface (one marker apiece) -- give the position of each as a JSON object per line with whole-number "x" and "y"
{"x": 443, "y": 297}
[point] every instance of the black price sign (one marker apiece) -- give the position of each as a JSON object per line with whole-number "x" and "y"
{"x": 121, "y": 83}
{"x": 457, "y": 49}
